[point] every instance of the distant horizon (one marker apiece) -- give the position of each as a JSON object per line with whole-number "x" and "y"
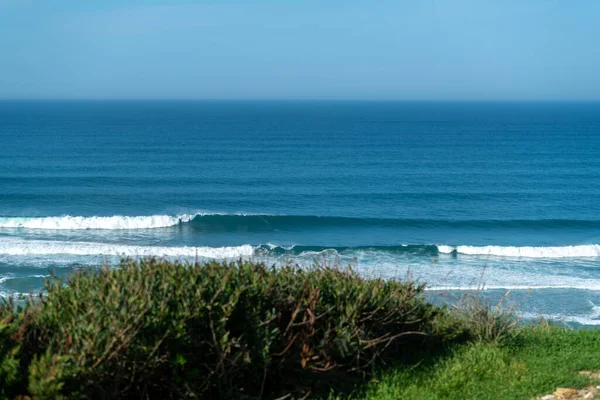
{"x": 349, "y": 100}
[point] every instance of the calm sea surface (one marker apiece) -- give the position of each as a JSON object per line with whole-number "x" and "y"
{"x": 453, "y": 194}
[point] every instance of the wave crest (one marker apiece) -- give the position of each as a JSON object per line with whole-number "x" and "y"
{"x": 40, "y": 247}
{"x": 210, "y": 222}
{"x": 68, "y": 222}
{"x": 585, "y": 250}
{"x": 46, "y": 247}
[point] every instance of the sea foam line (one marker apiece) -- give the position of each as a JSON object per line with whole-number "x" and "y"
{"x": 10, "y": 277}
{"x": 590, "y": 320}
{"x": 483, "y": 287}
{"x": 585, "y": 250}
{"x": 114, "y": 222}
{"x": 575, "y": 251}
{"x": 43, "y": 247}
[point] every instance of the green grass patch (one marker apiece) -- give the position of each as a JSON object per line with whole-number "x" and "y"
{"x": 534, "y": 362}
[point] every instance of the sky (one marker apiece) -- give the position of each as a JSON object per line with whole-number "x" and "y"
{"x": 306, "y": 49}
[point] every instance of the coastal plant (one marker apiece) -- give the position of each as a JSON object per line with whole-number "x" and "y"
{"x": 488, "y": 322}
{"x": 10, "y": 376}
{"x": 158, "y": 329}
{"x": 9, "y": 363}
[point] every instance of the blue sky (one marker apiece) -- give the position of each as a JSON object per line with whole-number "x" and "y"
{"x": 255, "y": 49}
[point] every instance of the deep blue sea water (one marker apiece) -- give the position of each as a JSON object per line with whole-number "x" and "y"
{"x": 454, "y": 194}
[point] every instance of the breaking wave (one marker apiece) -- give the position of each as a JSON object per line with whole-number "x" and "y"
{"x": 589, "y": 250}
{"x": 44, "y": 247}
{"x": 265, "y": 223}
{"x": 586, "y": 250}
{"x": 31, "y": 247}
{"x": 113, "y": 222}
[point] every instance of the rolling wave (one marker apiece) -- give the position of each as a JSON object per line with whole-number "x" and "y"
{"x": 17, "y": 247}
{"x": 426, "y": 250}
{"x": 586, "y": 250}
{"x": 265, "y": 223}
{"x": 114, "y": 222}
{"x": 589, "y": 250}
{"x": 46, "y": 247}
{"x": 262, "y": 223}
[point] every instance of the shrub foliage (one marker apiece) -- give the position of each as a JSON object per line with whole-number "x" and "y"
{"x": 158, "y": 329}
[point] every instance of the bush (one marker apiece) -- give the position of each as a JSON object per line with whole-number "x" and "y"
{"x": 9, "y": 348}
{"x": 158, "y": 329}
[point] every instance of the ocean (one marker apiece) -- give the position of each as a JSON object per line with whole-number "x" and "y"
{"x": 463, "y": 196}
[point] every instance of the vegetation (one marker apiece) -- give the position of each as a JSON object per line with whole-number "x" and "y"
{"x": 154, "y": 329}
{"x": 157, "y": 330}
{"x": 534, "y": 362}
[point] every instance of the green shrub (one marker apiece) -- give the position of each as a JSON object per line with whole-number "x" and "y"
{"x": 9, "y": 363}
{"x": 10, "y": 335}
{"x": 158, "y": 329}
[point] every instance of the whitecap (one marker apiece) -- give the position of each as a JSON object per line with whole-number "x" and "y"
{"x": 19, "y": 247}
{"x": 585, "y": 250}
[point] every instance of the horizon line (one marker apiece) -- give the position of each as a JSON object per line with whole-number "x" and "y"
{"x": 233, "y": 99}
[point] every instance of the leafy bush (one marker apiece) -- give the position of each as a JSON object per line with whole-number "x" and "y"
{"x": 158, "y": 329}
{"x": 9, "y": 348}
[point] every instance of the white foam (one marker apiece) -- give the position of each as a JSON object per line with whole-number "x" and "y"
{"x": 586, "y": 250}
{"x": 14, "y": 295}
{"x": 595, "y": 310}
{"x": 6, "y": 278}
{"x": 114, "y": 222}
{"x": 579, "y": 319}
{"x": 442, "y": 248}
{"x": 20, "y": 247}
{"x": 316, "y": 254}
{"x": 594, "y": 285}
{"x": 272, "y": 246}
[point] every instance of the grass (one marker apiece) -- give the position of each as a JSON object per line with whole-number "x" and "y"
{"x": 534, "y": 362}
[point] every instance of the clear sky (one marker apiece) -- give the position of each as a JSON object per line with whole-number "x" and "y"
{"x": 305, "y": 49}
